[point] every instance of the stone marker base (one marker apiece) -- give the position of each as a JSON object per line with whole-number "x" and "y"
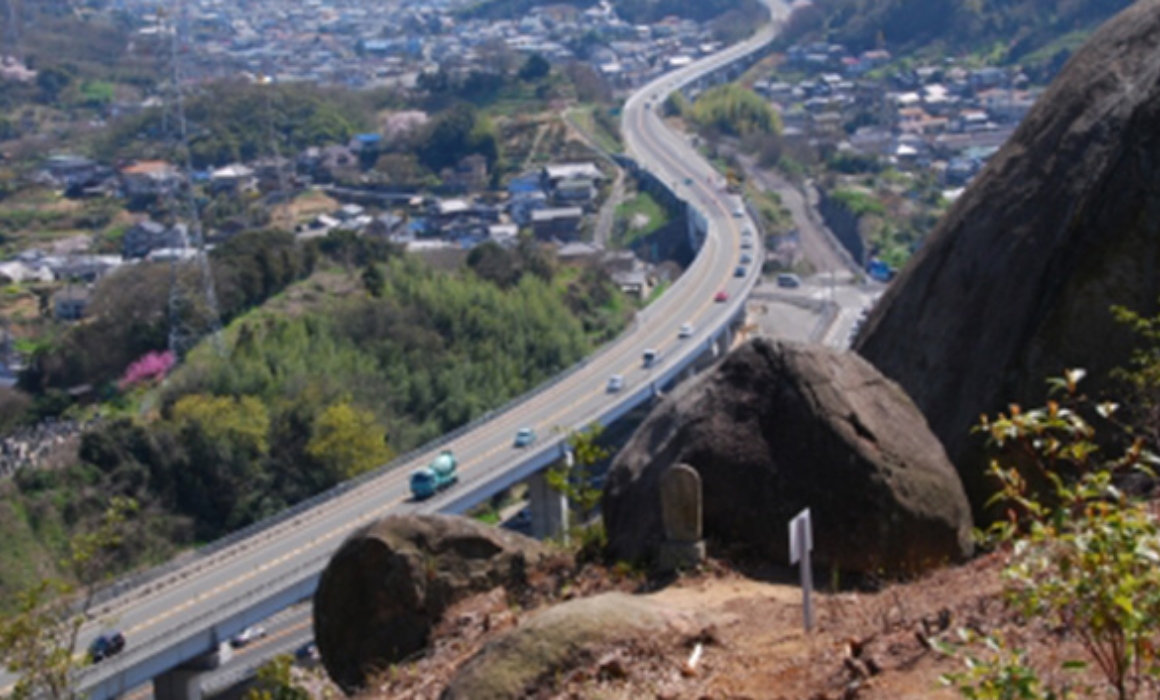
{"x": 675, "y": 556}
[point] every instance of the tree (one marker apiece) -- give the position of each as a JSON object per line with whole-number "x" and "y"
{"x": 497, "y": 57}
{"x": 590, "y": 86}
{"x": 535, "y": 68}
{"x": 577, "y": 486}
{"x": 348, "y": 441}
{"x": 53, "y": 81}
{"x": 242, "y": 422}
{"x": 455, "y": 134}
{"x": 736, "y": 111}
{"x": 276, "y": 682}
{"x": 495, "y": 263}
{"x": 373, "y": 280}
{"x": 38, "y": 642}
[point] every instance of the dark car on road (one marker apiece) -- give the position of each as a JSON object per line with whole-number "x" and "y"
{"x": 106, "y": 645}
{"x": 308, "y": 652}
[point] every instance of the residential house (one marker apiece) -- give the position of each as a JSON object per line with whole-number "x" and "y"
{"x": 87, "y": 268}
{"x": 574, "y": 192}
{"x": 150, "y": 178}
{"x": 557, "y": 223}
{"x": 578, "y": 252}
{"x": 553, "y": 175}
{"x": 521, "y": 206}
{"x": 233, "y": 179}
{"x": 386, "y": 225}
{"x": 74, "y": 174}
{"x": 71, "y": 303}
{"x": 274, "y": 174}
{"x": 146, "y": 236}
{"x": 634, "y": 282}
{"x": 506, "y": 235}
{"x": 349, "y": 212}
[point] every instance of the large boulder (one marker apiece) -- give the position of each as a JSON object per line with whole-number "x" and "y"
{"x": 778, "y": 427}
{"x": 1015, "y": 283}
{"x": 533, "y": 656}
{"x": 390, "y": 582}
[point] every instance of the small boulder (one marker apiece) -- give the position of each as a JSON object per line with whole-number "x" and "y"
{"x": 779, "y": 427}
{"x": 529, "y": 658}
{"x": 390, "y": 582}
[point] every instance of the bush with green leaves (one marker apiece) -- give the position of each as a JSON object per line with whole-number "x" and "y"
{"x": 1083, "y": 553}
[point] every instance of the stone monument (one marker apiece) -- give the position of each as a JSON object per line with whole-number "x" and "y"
{"x": 681, "y": 509}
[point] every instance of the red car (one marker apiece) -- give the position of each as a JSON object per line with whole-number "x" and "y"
{"x": 721, "y": 296}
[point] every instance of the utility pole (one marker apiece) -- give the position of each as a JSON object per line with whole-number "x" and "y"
{"x": 13, "y": 17}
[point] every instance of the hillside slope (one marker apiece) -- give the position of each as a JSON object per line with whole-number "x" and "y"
{"x": 1012, "y": 29}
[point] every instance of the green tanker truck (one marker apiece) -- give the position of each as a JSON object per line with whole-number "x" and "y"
{"x": 435, "y": 477}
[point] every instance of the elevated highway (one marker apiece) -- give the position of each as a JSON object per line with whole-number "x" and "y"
{"x": 175, "y": 617}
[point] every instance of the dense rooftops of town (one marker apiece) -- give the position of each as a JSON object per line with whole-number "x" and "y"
{"x": 364, "y": 43}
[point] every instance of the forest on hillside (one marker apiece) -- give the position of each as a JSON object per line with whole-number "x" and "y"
{"x": 339, "y": 355}
{"x": 1015, "y": 29}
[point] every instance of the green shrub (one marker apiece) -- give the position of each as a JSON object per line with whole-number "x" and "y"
{"x": 1082, "y": 553}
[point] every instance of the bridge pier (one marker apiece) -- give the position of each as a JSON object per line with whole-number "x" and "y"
{"x": 724, "y": 342}
{"x": 184, "y": 682}
{"x": 180, "y": 683}
{"x": 549, "y": 508}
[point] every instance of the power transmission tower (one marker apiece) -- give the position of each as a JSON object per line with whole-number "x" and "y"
{"x": 193, "y": 306}
{"x": 13, "y": 16}
{"x": 279, "y": 214}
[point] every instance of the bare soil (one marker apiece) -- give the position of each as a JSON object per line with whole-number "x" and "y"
{"x": 880, "y": 645}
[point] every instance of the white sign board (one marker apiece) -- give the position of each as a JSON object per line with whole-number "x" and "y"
{"x": 801, "y": 536}
{"x": 801, "y": 543}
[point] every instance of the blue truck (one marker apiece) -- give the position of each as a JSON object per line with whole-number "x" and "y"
{"x": 435, "y": 477}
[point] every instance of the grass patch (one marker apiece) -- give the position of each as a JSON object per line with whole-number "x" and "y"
{"x": 586, "y": 119}
{"x": 657, "y": 292}
{"x": 24, "y": 560}
{"x": 638, "y": 217}
{"x": 775, "y": 218}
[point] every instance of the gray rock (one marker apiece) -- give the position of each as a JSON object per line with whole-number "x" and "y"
{"x": 390, "y": 582}
{"x": 776, "y": 428}
{"x": 1015, "y": 283}
{"x": 531, "y": 657}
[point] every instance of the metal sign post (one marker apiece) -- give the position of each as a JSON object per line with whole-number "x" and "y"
{"x": 801, "y": 543}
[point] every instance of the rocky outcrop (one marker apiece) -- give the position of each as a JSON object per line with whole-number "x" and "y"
{"x": 780, "y": 427}
{"x": 390, "y": 582}
{"x": 530, "y": 658}
{"x": 1015, "y": 283}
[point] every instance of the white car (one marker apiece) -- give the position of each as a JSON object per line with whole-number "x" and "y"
{"x": 615, "y": 383}
{"x": 250, "y": 634}
{"x": 686, "y": 330}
